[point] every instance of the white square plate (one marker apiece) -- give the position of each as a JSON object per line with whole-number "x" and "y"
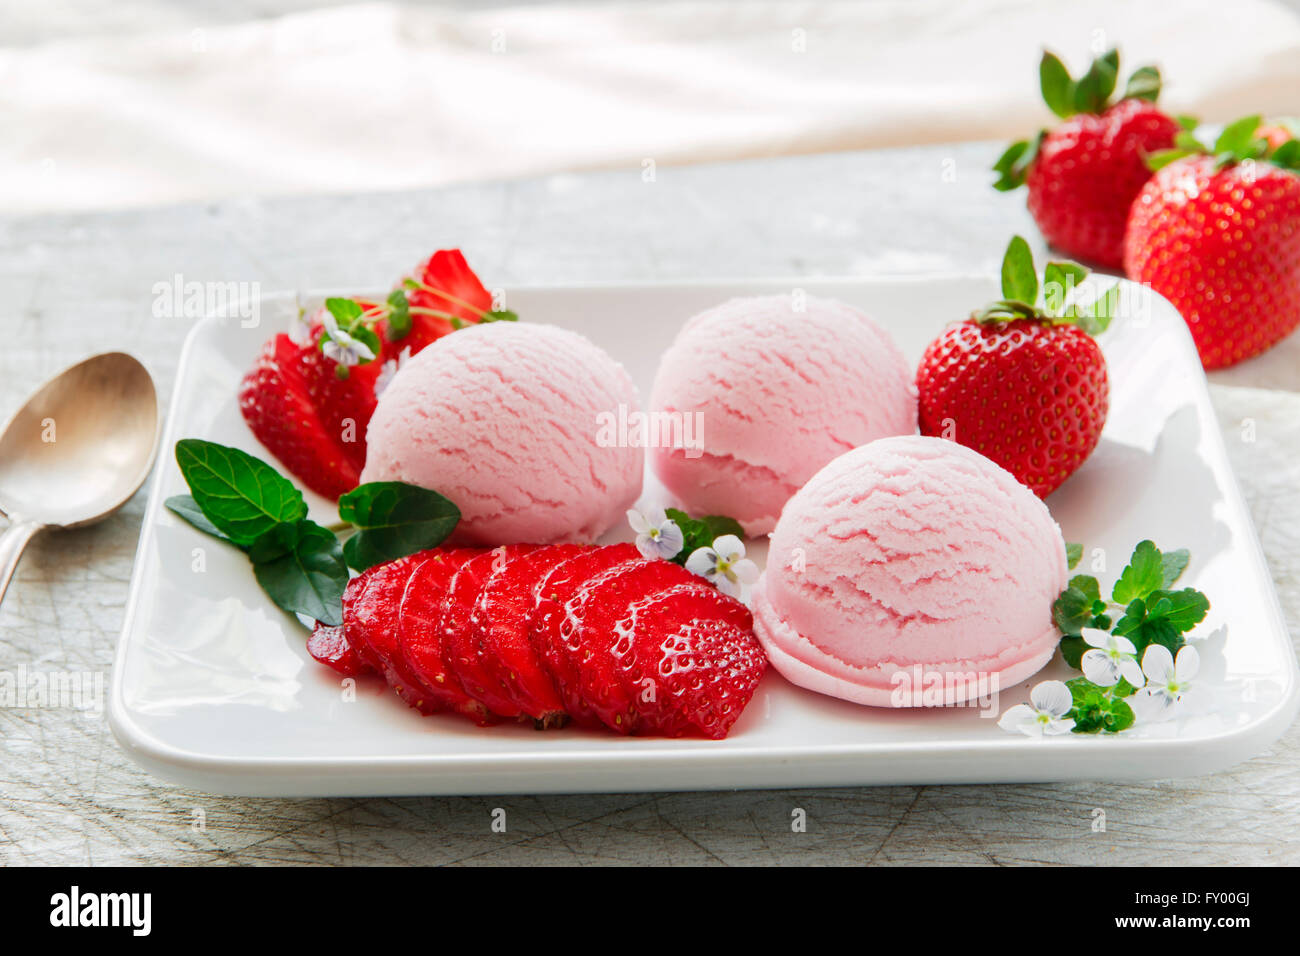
{"x": 213, "y": 687}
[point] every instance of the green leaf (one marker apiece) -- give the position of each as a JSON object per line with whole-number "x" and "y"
{"x": 1014, "y": 163}
{"x": 1073, "y": 554}
{"x": 1144, "y": 84}
{"x": 1096, "y": 710}
{"x": 1144, "y": 574}
{"x": 1183, "y": 610}
{"x": 1088, "y": 586}
{"x": 184, "y": 506}
{"x": 1163, "y": 157}
{"x": 394, "y": 519}
{"x": 1287, "y": 156}
{"x": 399, "y": 315}
{"x": 1188, "y": 122}
{"x": 1060, "y": 280}
{"x": 1019, "y": 280}
{"x": 309, "y": 578}
{"x": 1102, "y": 312}
{"x": 701, "y": 532}
{"x": 240, "y": 495}
{"x": 1094, "y": 88}
{"x": 500, "y": 315}
{"x": 1072, "y": 611}
{"x": 1172, "y": 565}
{"x": 1238, "y": 139}
{"x": 345, "y": 311}
{"x": 1073, "y": 648}
{"x": 1058, "y": 89}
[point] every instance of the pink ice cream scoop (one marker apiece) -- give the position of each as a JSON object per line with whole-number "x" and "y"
{"x": 767, "y": 391}
{"x": 908, "y": 566}
{"x": 505, "y": 419}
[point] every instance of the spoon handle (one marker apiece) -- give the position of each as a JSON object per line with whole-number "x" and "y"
{"x": 12, "y": 541}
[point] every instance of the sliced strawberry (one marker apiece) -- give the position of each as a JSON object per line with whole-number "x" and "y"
{"x": 420, "y": 644}
{"x": 329, "y": 645}
{"x": 546, "y": 631}
{"x": 275, "y": 400}
{"x": 465, "y": 298}
{"x": 371, "y": 604}
{"x": 460, "y": 646}
{"x": 502, "y": 616}
{"x": 596, "y": 649}
{"x": 343, "y": 405}
{"x": 691, "y": 658}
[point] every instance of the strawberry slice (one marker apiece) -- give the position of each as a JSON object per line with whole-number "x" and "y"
{"x": 691, "y": 659}
{"x": 276, "y": 401}
{"x": 370, "y": 618}
{"x": 329, "y": 645}
{"x": 502, "y": 616}
{"x": 596, "y": 649}
{"x": 343, "y": 405}
{"x": 460, "y": 647}
{"x": 547, "y": 631}
{"x": 465, "y": 297}
{"x": 420, "y": 643}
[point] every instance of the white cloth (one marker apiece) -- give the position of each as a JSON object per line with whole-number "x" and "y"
{"x": 387, "y": 97}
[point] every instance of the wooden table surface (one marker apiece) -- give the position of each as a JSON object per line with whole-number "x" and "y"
{"x": 74, "y": 285}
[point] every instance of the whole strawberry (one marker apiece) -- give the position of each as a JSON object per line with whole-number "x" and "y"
{"x": 1022, "y": 384}
{"x": 1218, "y": 235}
{"x": 1083, "y": 175}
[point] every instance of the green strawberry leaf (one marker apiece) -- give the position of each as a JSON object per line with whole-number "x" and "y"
{"x": 1060, "y": 280}
{"x": 1073, "y": 554}
{"x": 1019, "y": 280}
{"x": 1287, "y": 156}
{"x": 1238, "y": 138}
{"x": 1013, "y": 165}
{"x": 1188, "y": 122}
{"x": 303, "y": 571}
{"x": 1143, "y": 574}
{"x": 1144, "y": 84}
{"x": 242, "y": 496}
{"x": 394, "y": 519}
{"x": 184, "y": 506}
{"x": 1058, "y": 88}
{"x": 1093, "y": 90}
{"x": 1163, "y": 157}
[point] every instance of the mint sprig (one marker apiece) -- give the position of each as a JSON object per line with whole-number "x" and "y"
{"x": 301, "y": 565}
{"x": 1142, "y": 607}
{"x": 1058, "y": 303}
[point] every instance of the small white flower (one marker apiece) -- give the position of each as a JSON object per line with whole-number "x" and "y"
{"x": 725, "y": 566}
{"x": 342, "y": 347}
{"x": 1044, "y": 715}
{"x": 389, "y": 369}
{"x": 1111, "y": 657}
{"x": 1171, "y": 687}
{"x": 657, "y": 535}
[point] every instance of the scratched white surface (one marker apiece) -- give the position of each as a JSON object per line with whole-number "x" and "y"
{"x": 73, "y": 285}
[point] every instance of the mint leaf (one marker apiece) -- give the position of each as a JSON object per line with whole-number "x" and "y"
{"x": 1073, "y": 554}
{"x": 309, "y": 577}
{"x": 1144, "y": 84}
{"x": 1058, "y": 89}
{"x": 1019, "y": 280}
{"x": 184, "y": 506}
{"x": 1182, "y": 610}
{"x": 394, "y": 519}
{"x": 1144, "y": 574}
{"x": 345, "y": 311}
{"x": 701, "y": 532}
{"x": 240, "y": 495}
{"x": 399, "y": 315}
{"x": 1172, "y": 565}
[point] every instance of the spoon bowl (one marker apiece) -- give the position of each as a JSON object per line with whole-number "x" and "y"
{"x": 77, "y": 451}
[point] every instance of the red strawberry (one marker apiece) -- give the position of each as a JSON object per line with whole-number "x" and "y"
{"x": 275, "y": 399}
{"x": 312, "y": 413}
{"x": 1219, "y": 237}
{"x": 1084, "y": 174}
{"x": 592, "y": 642}
{"x": 420, "y": 640}
{"x": 447, "y": 285}
{"x": 692, "y": 660}
{"x": 370, "y": 619}
{"x": 502, "y": 617}
{"x": 1024, "y": 386}
{"x": 330, "y": 646}
{"x": 460, "y": 647}
{"x": 546, "y": 630}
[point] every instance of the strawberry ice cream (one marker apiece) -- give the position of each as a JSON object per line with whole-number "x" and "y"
{"x": 502, "y": 419}
{"x": 911, "y": 563}
{"x": 770, "y": 389}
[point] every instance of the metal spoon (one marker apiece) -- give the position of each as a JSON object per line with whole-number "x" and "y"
{"x": 77, "y": 450}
